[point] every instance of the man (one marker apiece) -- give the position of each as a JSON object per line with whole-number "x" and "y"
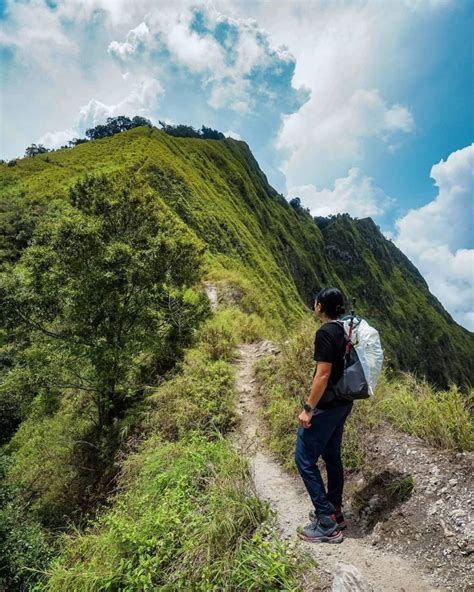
{"x": 322, "y": 425}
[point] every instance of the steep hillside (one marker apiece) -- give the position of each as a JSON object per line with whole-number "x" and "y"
{"x": 417, "y": 331}
{"x": 265, "y": 253}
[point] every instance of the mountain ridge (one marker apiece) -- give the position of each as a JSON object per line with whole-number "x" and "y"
{"x": 275, "y": 255}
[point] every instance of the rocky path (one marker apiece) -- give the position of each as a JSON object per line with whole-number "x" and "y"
{"x": 358, "y": 565}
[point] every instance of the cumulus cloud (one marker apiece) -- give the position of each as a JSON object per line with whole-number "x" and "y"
{"x": 434, "y": 236}
{"x": 341, "y": 50}
{"x": 35, "y": 34}
{"x": 355, "y": 194}
{"x": 144, "y": 96}
{"x": 138, "y": 39}
{"x": 57, "y": 139}
{"x": 232, "y": 56}
{"x": 329, "y": 136}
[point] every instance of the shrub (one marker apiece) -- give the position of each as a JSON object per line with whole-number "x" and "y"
{"x": 24, "y": 546}
{"x": 50, "y": 454}
{"x": 400, "y": 488}
{"x": 441, "y": 418}
{"x": 219, "y": 340}
{"x": 228, "y": 327}
{"x": 188, "y": 520}
{"x": 200, "y": 398}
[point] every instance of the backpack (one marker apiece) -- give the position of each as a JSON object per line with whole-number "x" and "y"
{"x": 363, "y": 359}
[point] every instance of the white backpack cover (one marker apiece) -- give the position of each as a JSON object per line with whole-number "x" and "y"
{"x": 366, "y": 342}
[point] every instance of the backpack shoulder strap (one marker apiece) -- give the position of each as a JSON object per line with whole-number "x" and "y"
{"x": 340, "y": 323}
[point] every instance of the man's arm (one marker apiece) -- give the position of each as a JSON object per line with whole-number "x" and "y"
{"x": 318, "y": 386}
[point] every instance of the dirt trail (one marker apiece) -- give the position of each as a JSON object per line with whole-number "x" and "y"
{"x": 383, "y": 571}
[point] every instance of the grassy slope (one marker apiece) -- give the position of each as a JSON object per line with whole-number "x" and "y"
{"x": 216, "y": 188}
{"x": 423, "y": 336}
{"x": 275, "y": 254}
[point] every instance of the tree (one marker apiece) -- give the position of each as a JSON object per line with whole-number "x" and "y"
{"x": 75, "y": 142}
{"x": 36, "y": 149}
{"x": 322, "y": 221}
{"x": 105, "y": 284}
{"x": 116, "y": 125}
{"x": 296, "y": 203}
{"x": 187, "y": 131}
{"x": 211, "y": 134}
{"x": 179, "y": 131}
{"x": 139, "y": 121}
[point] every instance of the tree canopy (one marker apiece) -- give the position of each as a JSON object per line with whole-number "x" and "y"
{"x": 187, "y": 131}
{"x": 115, "y": 125}
{"x": 104, "y": 295}
{"x": 35, "y": 149}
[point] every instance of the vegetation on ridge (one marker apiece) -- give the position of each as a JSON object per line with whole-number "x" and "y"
{"x": 441, "y": 418}
{"x": 103, "y": 251}
{"x": 252, "y": 233}
{"x": 179, "y": 471}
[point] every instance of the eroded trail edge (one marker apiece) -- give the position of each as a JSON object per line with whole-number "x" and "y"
{"x": 382, "y": 571}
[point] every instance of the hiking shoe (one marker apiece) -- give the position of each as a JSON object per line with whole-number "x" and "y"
{"x": 341, "y": 521}
{"x": 324, "y": 530}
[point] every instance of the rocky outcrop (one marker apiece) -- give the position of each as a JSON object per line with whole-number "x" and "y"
{"x": 348, "y": 578}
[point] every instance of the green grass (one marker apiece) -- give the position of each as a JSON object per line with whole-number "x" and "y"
{"x": 228, "y": 327}
{"x": 441, "y": 418}
{"x": 200, "y": 398}
{"x": 47, "y": 458}
{"x": 185, "y": 515}
{"x": 261, "y": 252}
{"x": 400, "y": 488}
{"x": 187, "y": 521}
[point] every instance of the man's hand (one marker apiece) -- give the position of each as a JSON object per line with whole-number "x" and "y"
{"x": 305, "y": 419}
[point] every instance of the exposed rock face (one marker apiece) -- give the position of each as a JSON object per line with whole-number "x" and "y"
{"x": 349, "y": 579}
{"x": 211, "y": 293}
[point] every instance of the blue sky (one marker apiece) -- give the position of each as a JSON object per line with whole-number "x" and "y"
{"x": 362, "y": 106}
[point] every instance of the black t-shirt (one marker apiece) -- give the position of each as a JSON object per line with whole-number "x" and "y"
{"x": 329, "y": 346}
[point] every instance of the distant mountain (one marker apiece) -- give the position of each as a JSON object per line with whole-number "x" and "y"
{"x": 270, "y": 254}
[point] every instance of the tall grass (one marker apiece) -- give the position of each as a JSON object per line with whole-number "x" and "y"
{"x": 229, "y": 326}
{"x": 185, "y": 515}
{"x": 188, "y": 521}
{"x": 441, "y": 418}
{"x": 284, "y": 384}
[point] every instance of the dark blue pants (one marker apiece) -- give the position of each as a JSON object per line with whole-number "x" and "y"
{"x": 323, "y": 438}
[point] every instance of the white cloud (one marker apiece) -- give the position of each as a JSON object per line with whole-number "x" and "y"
{"x": 328, "y": 135}
{"x": 232, "y": 134}
{"x": 144, "y": 96}
{"x": 341, "y": 51}
{"x": 434, "y": 236}
{"x": 199, "y": 53}
{"x": 57, "y": 139}
{"x": 36, "y": 34}
{"x": 137, "y": 39}
{"x": 224, "y": 65}
{"x": 355, "y": 194}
